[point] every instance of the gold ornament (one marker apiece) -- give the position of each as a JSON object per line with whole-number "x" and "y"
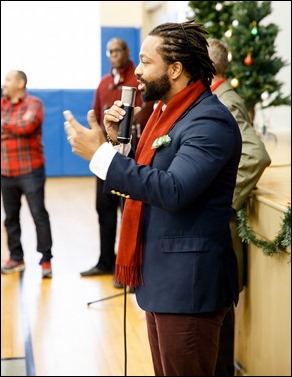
{"x": 234, "y": 82}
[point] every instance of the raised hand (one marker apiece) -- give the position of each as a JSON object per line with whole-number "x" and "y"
{"x": 84, "y": 141}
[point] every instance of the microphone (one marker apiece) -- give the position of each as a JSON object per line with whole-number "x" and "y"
{"x": 128, "y": 98}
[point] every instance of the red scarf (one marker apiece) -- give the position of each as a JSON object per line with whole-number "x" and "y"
{"x": 218, "y": 83}
{"x": 129, "y": 258}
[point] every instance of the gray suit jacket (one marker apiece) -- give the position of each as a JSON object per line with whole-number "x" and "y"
{"x": 254, "y": 159}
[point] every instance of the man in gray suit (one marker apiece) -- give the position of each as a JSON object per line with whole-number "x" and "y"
{"x": 175, "y": 244}
{"x": 254, "y": 159}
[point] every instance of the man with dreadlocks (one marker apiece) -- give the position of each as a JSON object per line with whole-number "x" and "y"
{"x": 175, "y": 245}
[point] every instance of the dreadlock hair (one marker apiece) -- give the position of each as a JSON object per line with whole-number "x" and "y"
{"x": 186, "y": 42}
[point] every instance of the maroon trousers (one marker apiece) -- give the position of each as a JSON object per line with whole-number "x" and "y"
{"x": 184, "y": 344}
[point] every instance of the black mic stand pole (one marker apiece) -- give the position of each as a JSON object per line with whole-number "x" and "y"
{"x": 125, "y": 305}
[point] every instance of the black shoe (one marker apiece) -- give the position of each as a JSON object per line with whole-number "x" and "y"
{"x": 95, "y": 271}
{"x": 118, "y": 284}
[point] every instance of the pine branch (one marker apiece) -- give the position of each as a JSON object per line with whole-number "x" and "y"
{"x": 281, "y": 242}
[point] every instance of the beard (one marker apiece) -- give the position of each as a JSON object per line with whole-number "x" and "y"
{"x": 156, "y": 90}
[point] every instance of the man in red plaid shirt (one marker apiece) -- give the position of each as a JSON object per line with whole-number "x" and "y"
{"x": 23, "y": 170}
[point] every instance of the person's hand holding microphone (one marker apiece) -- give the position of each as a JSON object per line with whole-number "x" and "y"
{"x": 85, "y": 141}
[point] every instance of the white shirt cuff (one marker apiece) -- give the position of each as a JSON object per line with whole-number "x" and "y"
{"x": 103, "y": 157}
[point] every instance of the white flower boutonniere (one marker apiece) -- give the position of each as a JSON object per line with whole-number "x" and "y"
{"x": 162, "y": 141}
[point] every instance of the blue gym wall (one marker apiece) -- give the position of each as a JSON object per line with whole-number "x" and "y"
{"x": 60, "y": 161}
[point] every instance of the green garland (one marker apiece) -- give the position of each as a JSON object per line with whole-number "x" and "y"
{"x": 278, "y": 245}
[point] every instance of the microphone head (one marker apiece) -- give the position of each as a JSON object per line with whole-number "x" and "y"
{"x": 128, "y": 96}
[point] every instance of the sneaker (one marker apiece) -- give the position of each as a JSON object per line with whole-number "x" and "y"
{"x": 12, "y": 266}
{"x": 46, "y": 270}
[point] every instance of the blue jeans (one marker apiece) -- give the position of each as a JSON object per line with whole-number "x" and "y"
{"x": 32, "y": 186}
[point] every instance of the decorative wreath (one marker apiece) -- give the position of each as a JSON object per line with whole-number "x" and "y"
{"x": 278, "y": 245}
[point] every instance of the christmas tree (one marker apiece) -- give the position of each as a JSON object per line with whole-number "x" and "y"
{"x": 253, "y": 61}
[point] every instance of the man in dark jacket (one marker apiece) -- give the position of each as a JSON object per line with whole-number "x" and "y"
{"x": 175, "y": 244}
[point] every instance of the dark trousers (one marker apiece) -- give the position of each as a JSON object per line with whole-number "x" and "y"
{"x": 225, "y": 360}
{"x": 107, "y": 208}
{"x": 32, "y": 187}
{"x": 184, "y": 344}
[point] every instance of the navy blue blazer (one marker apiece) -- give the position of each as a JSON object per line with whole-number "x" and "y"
{"x": 189, "y": 265}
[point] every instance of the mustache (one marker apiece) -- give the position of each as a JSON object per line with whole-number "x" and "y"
{"x": 141, "y": 79}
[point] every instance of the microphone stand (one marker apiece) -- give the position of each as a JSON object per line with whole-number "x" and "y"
{"x": 108, "y": 297}
{"x": 125, "y": 327}
{"x": 125, "y": 291}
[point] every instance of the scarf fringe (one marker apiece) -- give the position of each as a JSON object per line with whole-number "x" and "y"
{"x": 128, "y": 276}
